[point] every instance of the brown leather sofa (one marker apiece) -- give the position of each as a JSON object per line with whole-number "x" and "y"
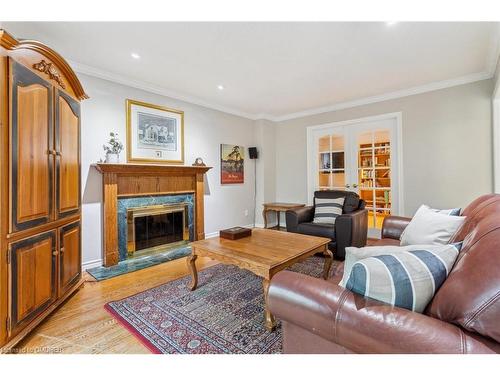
{"x": 350, "y": 228}
{"x": 319, "y": 316}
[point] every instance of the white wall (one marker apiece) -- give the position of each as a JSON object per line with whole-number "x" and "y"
{"x": 205, "y": 130}
{"x": 447, "y": 146}
{"x": 265, "y": 140}
{"x": 446, "y": 143}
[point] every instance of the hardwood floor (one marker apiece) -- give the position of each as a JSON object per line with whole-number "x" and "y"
{"x": 81, "y": 325}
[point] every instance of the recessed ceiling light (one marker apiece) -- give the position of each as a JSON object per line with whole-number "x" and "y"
{"x": 135, "y": 55}
{"x": 220, "y": 87}
{"x": 391, "y": 23}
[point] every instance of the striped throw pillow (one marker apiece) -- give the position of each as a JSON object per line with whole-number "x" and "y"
{"x": 327, "y": 210}
{"x": 407, "y": 279}
{"x": 451, "y": 212}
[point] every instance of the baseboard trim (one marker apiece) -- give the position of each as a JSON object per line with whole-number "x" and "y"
{"x": 92, "y": 264}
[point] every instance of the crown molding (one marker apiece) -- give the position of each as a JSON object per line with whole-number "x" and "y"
{"x": 494, "y": 52}
{"x": 494, "y": 61}
{"x": 149, "y": 87}
{"x": 113, "y": 77}
{"x": 388, "y": 96}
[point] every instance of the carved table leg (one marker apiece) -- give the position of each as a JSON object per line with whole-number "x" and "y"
{"x": 269, "y": 318}
{"x": 264, "y": 214}
{"x": 192, "y": 268}
{"x": 328, "y": 262}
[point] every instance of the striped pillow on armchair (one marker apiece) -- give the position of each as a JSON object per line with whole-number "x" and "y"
{"x": 327, "y": 210}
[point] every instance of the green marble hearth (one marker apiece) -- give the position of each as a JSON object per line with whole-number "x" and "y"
{"x": 139, "y": 262}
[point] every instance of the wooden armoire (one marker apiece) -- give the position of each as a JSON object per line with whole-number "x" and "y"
{"x": 40, "y": 228}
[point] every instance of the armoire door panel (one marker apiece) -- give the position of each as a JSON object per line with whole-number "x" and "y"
{"x": 32, "y": 161}
{"x": 70, "y": 262}
{"x": 33, "y": 268}
{"x": 68, "y": 154}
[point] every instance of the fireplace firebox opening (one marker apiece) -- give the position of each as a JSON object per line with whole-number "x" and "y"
{"x": 154, "y": 226}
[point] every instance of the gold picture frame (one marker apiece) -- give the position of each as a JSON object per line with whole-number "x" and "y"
{"x": 147, "y": 143}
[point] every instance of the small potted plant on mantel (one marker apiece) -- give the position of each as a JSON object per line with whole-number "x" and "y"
{"x": 113, "y": 148}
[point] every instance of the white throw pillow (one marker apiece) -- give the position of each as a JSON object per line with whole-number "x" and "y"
{"x": 450, "y": 211}
{"x": 430, "y": 227}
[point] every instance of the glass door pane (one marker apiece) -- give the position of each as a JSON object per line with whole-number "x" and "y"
{"x": 331, "y": 156}
{"x": 374, "y": 174}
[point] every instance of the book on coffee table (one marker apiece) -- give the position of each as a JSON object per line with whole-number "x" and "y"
{"x": 235, "y": 233}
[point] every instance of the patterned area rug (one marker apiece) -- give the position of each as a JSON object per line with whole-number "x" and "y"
{"x": 225, "y": 314}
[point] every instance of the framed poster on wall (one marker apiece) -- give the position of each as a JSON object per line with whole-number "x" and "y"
{"x": 232, "y": 164}
{"x": 155, "y": 134}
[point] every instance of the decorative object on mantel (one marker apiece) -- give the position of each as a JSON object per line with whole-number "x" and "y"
{"x": 232, "y": 164}
{"x": 113, "y": 148}
{"x": 235, "y": 233}
{"x": 198, "y": 162}
{"x": 155, "y": 134}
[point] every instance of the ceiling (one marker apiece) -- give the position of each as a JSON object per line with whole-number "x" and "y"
{"x": 275, "y": 70}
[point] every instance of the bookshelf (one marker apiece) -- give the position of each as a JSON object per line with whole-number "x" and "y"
{"x": 374, "y": 176}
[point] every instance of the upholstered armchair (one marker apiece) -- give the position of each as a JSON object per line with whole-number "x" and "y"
{"x": 350, "y": 228}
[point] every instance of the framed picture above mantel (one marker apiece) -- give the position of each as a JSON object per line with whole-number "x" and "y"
{"x": 155, "y": 134}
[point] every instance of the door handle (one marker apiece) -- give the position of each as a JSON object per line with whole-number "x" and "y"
{"x": 355, "y": 185}
{"x": 347, "y": 186}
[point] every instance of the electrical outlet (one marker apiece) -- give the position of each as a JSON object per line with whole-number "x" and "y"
{"x": 246, "y": 212}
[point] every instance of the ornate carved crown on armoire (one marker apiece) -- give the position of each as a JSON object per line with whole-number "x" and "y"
{"x": 40, "y": 230}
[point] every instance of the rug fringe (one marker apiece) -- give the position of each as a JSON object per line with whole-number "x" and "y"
{"x": 131, "y": 329}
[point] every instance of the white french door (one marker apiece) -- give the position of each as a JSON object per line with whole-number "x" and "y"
{"x": 331, "y": 159}
{"x": 359, "y": 155}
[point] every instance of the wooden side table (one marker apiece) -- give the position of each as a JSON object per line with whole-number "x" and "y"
{"x": 278, "y": 207}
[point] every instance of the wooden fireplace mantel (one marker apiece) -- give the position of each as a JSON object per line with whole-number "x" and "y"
{"x": 132, "y": 180}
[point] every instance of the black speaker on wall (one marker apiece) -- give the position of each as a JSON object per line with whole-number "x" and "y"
{"x": 253, "y": 152}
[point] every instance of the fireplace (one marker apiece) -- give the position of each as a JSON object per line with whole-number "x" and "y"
{"x": 150, "y": 227}
{"x": 138, "y": 185}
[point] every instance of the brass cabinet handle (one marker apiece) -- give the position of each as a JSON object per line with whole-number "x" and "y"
{"x": 54, "y": 253}
{"x": 51, "y": 152}
{"x": 355, "y": 185}
{"x": 347, "y": 186}
{"x": 58, "y": 153}
{"x": 62, "y": 250}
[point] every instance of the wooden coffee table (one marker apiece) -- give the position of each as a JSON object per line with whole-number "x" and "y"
{"x": 264, "y": 253}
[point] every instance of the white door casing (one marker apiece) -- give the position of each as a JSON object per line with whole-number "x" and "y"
{"x": 350, "y": 130}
